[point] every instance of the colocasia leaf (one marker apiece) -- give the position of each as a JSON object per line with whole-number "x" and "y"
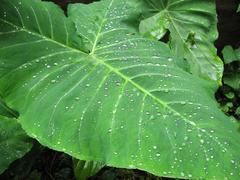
{"x": 193, "y": 30}
{"x": 112, "y": 96}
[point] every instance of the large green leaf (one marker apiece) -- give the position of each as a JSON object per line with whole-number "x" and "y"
{"x": 14, "y": 143}
{"x": 125, "y": 103}
{"x": 193, "y": 30}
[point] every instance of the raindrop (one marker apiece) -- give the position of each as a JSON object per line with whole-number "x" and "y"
{"x": 154, "y": 147}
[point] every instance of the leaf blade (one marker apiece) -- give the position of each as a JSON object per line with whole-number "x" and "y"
{"x": 122, "y": 89}
{"x": 13, "y": 142}
{"x": 193, "y": 30}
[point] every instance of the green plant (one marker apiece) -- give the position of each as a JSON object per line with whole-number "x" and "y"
{"x": 88, "y": 84}
{"x": 232, "y": 61}
{"x": 193, "y": 29}
{"x": 13, "y": 142}
{"x": 86, "y": 169}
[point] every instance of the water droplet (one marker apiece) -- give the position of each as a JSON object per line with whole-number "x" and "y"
{"x": 147, "y": 113}
{"x": 183, "y": 103}
{"x": 154, "y": 147}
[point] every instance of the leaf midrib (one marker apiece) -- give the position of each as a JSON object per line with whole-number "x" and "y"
{"x": 116, "y": 71}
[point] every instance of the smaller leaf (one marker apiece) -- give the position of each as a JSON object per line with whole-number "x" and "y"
{"x": 232, "y": 60}
{"x": 7, "y": 111}
{"x": 14, "y": 143}
{"x": 230, "y": 55}
{"x": 233, "y": 80}
{"x": 193, "y": 30}
{"x": 86, "y": 169}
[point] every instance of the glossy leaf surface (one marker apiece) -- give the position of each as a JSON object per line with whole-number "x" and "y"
{"x": 125, "y": 103}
